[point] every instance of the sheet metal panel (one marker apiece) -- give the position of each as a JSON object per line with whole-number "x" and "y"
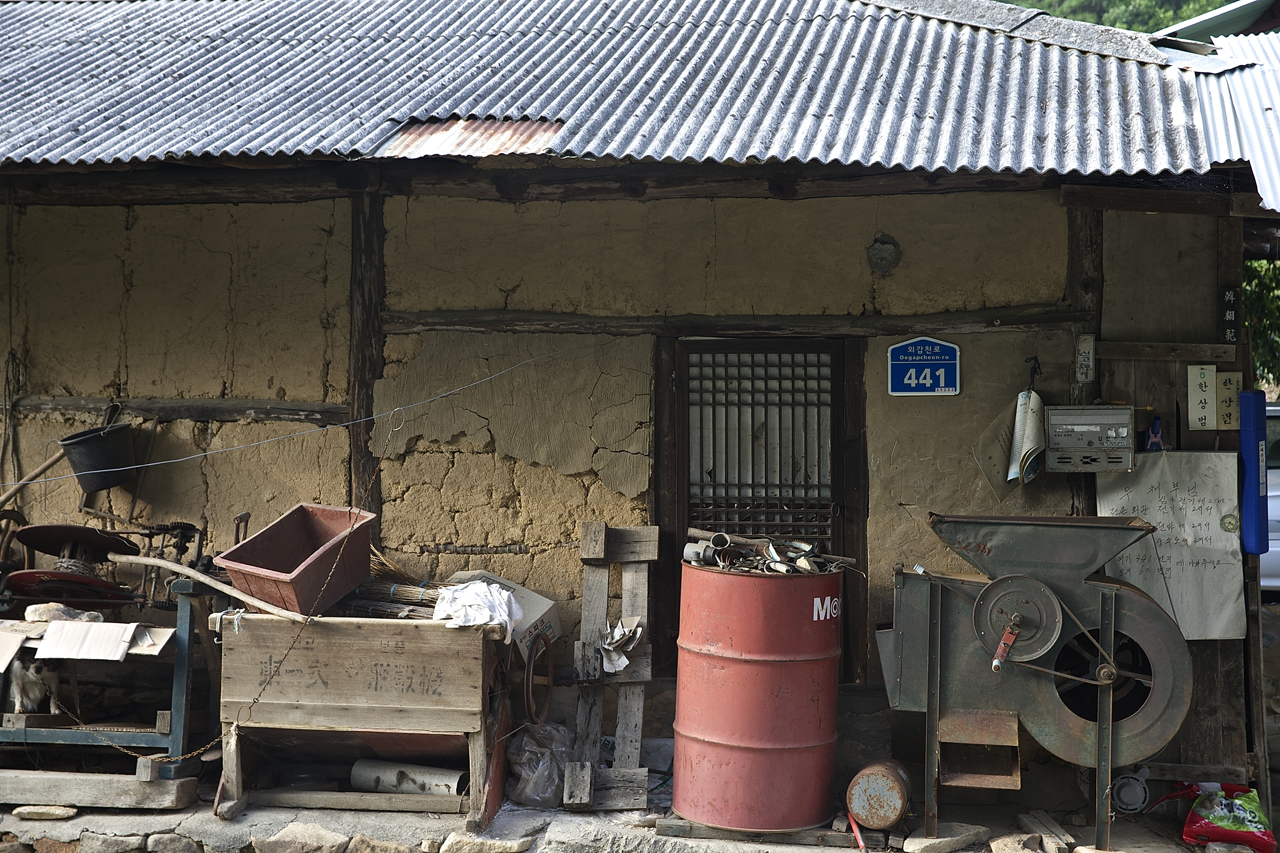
{"x": 1255, "y": 92}
{"x": 698, "y": 80}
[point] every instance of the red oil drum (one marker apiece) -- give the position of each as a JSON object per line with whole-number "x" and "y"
{"x": 756, "y": 690}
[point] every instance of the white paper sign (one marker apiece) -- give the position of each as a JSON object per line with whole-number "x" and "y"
{"x": 1229, "y": 388}
{"x": 1191, "y": 565}
{"x": 1202, "y": 396}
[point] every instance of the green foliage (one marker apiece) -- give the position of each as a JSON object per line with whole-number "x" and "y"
{"x": 1143, "y": 16}
{"x": 1262, "y": 317}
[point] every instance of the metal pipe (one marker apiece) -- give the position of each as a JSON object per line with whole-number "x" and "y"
{"x": 179, "y": 569}
{"x": 26, "y": 481}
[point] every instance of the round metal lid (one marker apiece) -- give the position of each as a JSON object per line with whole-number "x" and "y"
{"x": 1035, "y": 603}
{"x": 55, "y": 586}
{"x": 49, "y": 539}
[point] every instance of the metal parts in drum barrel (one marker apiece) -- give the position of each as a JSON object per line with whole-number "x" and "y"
{"x": 756, "y": 691}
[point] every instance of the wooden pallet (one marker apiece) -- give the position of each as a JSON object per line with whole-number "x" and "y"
{"x": 677, "y": 828}
{"x": 624, "y": 786}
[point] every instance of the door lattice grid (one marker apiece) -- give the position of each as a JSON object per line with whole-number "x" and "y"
{"x": 760, "y": 443}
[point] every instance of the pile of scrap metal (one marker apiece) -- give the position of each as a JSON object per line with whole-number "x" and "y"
{"x": 743, "y": 554}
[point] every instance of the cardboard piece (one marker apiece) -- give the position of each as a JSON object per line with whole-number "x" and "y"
{"x": 9, "y": 645}
{"x": 96, "y": 640}
{"x": 541, "y": 616}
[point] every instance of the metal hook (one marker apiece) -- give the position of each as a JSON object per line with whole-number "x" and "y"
{"x": 1034, "y": 361}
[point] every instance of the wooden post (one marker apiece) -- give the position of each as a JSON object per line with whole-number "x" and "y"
{"x": 1084, "y": 294}
{"x": 368, "y": 292}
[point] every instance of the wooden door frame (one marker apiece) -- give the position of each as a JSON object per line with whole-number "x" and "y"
{"x": 669, "y": 494}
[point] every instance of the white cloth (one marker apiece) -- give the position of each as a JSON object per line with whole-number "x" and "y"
{"x": 478, "y": 603}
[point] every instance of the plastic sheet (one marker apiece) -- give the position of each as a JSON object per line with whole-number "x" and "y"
{"x": 538, "y": 755}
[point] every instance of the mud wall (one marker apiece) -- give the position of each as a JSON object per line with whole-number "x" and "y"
{"x": 187, "y": 301}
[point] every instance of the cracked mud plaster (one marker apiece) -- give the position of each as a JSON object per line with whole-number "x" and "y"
{"x": 574, "y": 403}
{"x": 920, "y": 459}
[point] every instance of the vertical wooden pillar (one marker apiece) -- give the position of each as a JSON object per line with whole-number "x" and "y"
{"x": 671, "y": 501}
{"x": 368, "y": 292}
{"x": 849, "y": 526}
{"x": 1084, "y": 293}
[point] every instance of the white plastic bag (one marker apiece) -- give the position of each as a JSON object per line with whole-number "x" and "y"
{"x": 538, "y": 755}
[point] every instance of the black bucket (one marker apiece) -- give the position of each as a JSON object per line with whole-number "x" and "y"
{"x": 95, "y": 453}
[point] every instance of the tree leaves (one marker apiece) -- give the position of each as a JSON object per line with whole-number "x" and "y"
{"x": 1262, "y": 317}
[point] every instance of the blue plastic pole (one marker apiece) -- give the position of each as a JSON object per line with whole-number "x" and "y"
{"x": 1253, "y": 485}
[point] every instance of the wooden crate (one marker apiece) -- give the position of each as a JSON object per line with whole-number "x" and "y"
{"x": 362, "y": 675}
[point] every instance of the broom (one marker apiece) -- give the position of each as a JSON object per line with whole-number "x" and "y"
{"x": 391, "y": 583}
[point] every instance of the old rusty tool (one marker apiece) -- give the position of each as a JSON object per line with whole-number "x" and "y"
{"x": 1091, "y": 667}
{"x": 1006, "y": 642}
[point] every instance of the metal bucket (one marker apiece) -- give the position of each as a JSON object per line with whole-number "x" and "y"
{"x": 756, "y": 689}
{"x": 101, "y": 457}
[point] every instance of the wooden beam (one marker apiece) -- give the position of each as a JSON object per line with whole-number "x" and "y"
{"x": 1144, "y": 200}
{"x": 1250, "y": 205}
{"x": 106, "y": 790}
{"x": 1144, "y": 351}
{"x": 1020, "y": 318}
{"x": 1083, "y": 293}
{"x": 368, "y": 292}
{"x": 191, "y": 409}
{"x": 360, "y": 801}
{"x": 671, "y": 480}
{"x": 544, "y": 179}
{"x": 1201, "y": 772}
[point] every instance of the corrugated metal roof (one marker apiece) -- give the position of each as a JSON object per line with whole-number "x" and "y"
{"x": 724, "y": 80}
{"x": 1255, "y": 95}
{"x": 1228, "y": 19}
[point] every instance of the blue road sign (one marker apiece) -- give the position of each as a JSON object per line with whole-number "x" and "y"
{"x": 924, "y": 366}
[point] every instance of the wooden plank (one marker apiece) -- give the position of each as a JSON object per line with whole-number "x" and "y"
{"x": 631, "y": 544}
{"x": 630, "y": 723}
{"x": 590, "y": 707}
{"x": 1214, "y": 730}
{"x": 1049, "y": 843}
{"x": 1250, "y": 205}
{"x": 1144, "y": 200}
{"x": 579, "y": 786}
{"x": 148, "y": 770}
{"x": 1017, "y": 318}
{"x": 38, "y": 721}
{"x": 1158, "y": 771}
{"x": 638, "y": 671}
{"x": 478, "y": 762}
{"x": 221, "y": 410}
{"x": 635, "y": 589}
{"x": 1261, "y": 776}
{"x": 1143, "y": 351}
{"x": 104, "y": 790}
{"x": 368, "y": 292}
{"x": 676, "y": 828}
{"x": 1067, "y": 839}
{"x": 360, "y": 801}
{"x": 591, "y": 542}
{"x": 354, "y": 673}
{"x": 233, "y": 787}
{"x": 621, "y": 788}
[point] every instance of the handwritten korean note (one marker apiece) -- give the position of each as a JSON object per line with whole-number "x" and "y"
{"x": 1192, "y": 564}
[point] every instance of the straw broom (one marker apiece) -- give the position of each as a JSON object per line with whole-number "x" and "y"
{"x": 391, "y": 583}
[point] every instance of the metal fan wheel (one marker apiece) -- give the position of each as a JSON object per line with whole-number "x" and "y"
{"x": 1142, "y": 734}
{"x": 1035, "y": 603}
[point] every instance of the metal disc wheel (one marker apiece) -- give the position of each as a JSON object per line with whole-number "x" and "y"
{"x": 1151, "y": 693}
{"x": 1035, "y": 605}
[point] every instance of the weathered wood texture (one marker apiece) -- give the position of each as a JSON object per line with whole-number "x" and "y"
{"x": 1017, "y": 318}
{"x": 849, "y": 526}
{"x": 1181, "y": 772}
{"x": 1084, "y": 294}
{"x": 620, "y": 788}
{"x": 365, "y": 362}
{"x": 354, "y": 674}
{"x": 359, "y": 801}
{"x": 170, "y": 184}
{"x": 1144, "y": 351}
{"x": 102, "y": 790}
{"x": 671, "y": 476}
{"x": 1215, "y": 731}
{"x": 320, "y": 414}
{"x": 1145, "y": 200}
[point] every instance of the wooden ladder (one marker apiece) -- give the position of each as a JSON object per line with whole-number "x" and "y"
{"x": 588, "y": 787}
